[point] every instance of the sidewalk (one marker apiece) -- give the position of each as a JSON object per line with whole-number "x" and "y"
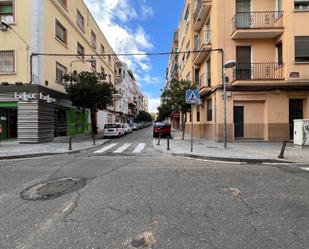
{"x": 12, "y": 149}
{"x": 244, "y": 151}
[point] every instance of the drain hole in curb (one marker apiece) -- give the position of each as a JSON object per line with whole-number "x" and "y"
{"x": 53, "y": 189}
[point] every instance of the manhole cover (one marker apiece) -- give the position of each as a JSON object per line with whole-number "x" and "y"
{"x": 53, "y": 189}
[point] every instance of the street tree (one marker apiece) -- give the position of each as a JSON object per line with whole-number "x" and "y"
{"x": 89, "y": 90}
{"x": 173, "y": 99}
{"x": 143, "y": 116}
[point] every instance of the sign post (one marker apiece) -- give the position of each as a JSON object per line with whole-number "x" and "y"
{"x": 193, "y": 98}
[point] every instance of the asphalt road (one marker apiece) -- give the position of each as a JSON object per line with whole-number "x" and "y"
{"x": 139, "y": 198}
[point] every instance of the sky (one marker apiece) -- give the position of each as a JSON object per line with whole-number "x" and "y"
{"x": 139, "y": 26}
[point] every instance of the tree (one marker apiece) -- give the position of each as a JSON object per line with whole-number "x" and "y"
{"x": 173, "y": 99}
{"x": 143, "y": 116}
{"x": 88, "y": 90}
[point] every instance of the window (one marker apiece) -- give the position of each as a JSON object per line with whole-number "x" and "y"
{"x": 209, "y": 110}
{"x": 109, "y": 60}
{"x": 109, "y": 78}
{"x": 80, "y": 50}
{"x": 198, "y": 114}
{"x": 60, "y": 72}
{"x": 279, "y": 54}
{"x": 102, "y": 49}
{"x": 301, "y": 4}
{"x": 103, "y": 72}
{"x": 302, "y": 48}
{"x": 7, "y": 11}
{"x": 7, "y": 61}
{"x": 93, "y": 39}
{"x": 64, "y": 3}
{"x": 187, "y": 14}
{"x": 61, "y": 32}
{"x": 93, "y": 64}
{"x": 80, "y": 21}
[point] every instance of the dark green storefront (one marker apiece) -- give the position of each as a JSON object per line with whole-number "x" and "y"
{"x": 8, "y": 120}
{"x": 77, "y": 122}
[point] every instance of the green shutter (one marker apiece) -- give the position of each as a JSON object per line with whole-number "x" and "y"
{"x": 6, "y": 9}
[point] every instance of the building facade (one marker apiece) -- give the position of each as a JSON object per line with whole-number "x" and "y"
{"x": 47, "y": 27}
{"x": 269, "y": 87}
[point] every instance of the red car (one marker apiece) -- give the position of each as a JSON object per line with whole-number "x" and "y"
{"x": 162, "y": 129}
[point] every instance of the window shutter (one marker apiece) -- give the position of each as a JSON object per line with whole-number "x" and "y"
{"x": 302, "y": 47}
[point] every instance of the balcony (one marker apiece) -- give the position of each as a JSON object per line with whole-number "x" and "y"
{"x": 257, "y": 25}
{"x": 258, "y": 71}
{"x": 118, "y": 79}
{"x": 205, "y": 80}
{"x": 202, "y": 47}
{"x": 201, "y": 11}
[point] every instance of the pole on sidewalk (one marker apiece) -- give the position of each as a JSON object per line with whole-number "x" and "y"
{"x": 168, "y": 142}
{"x": 159, "y": 139}
{"x": 225, "y": 111}
{"x": 70, "y": 143}
{"x": 191, "y": 127}
{"x": 93, "y": 138}
{"x": 281, "y": 155}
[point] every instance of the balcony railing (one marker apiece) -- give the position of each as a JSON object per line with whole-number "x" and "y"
{"x": 205, "y": 80}
{"x": 198, "y": 7}
{"x": 258, "y": 20}
{"x": 258, "y": 71}
{"x": 204, "y": 39}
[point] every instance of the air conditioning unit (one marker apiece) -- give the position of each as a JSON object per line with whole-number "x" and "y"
{"x": 3, "y": 27}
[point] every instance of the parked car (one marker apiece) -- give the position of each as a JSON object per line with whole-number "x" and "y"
{"x": 113, "y": 130}
{"x": 163, "y": 129}
{"x": 127, "y": 128}
{"x": 134, "y": 127}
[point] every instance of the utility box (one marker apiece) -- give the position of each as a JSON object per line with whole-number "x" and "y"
{"x": 301, "y": 132}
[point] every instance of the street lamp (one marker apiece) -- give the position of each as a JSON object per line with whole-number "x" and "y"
{"x": 20, "y": 37}
{"x": 228, "y": 64}
{"x": 88, "y": 60}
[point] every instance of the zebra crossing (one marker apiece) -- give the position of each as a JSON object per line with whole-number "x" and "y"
{"x": 116, "y": 148}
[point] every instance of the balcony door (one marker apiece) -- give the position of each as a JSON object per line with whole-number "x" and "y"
{"x": 243, "y": 58}
{"x": 244, "y": 15}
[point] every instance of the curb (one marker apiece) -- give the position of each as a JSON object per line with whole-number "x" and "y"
{"x": 34, "y": 155}
{"x": 226, "y": 159}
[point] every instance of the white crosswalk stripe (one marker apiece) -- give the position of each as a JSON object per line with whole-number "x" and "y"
{"x": 305, "y": 168}
{"x": 106, "y": 148}
{"x": 122, "y": 148}
{"x": 139, "y": 148}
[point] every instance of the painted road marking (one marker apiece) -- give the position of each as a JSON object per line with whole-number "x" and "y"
{"x": 122, "y": 148}
{"x": 139, "y": 148}
{"x": 106, "y": 148}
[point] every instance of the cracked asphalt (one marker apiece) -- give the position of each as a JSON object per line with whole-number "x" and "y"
{"x": 178, "y": 203}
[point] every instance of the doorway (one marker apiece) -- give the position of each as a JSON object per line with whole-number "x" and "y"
{"x": 8, "y": 121}
{"x": 296, "y": 111}
{"x": 238, "y": 122}
{"x": 243, "y": 58}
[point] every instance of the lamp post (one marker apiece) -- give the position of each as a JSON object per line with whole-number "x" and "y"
{"x": 76, "y": 61}
{"x": 228, "y": 64}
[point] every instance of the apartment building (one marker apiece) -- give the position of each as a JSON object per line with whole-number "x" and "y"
{"x": 268, "y": 88}
{"x": 33, "y": 102}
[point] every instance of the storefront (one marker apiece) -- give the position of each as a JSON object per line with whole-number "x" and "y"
{"x": 36, "y": 114}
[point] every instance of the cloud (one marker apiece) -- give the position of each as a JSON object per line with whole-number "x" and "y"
{"x": 113, "y": 17}
{"x": 153, "y": 104}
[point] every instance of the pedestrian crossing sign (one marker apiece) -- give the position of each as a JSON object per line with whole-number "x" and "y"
{"x": 192, "y": 97}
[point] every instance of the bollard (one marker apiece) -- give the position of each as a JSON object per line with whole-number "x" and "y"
{"x": 70, "y": 143}
{"x": 168, "y": 143}
{"x": 94, "y": 140}
{"x": 159, "y": 139}
{"x": 282, "y": 150}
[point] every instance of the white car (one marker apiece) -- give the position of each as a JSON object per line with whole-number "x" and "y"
{"x": 113, "y": 130}
{"x": 127, "y": 128}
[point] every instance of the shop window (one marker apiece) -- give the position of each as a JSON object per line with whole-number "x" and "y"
{"x": 7, "y": 11}
{"x": 302, "y": 48}
{"x": 60, "y": 72}
{"x": 7, "y": 61}
{"x": 81, "y": 51}
{"x": 209, "y": 110}
{"x": 61, "y": 32}
{"x": 80, "y": 21}
{"x": 301, "y": 4}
